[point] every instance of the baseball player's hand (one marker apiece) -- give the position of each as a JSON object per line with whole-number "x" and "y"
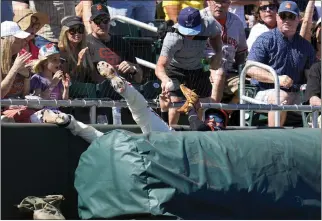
{"x": 285, "y": 81}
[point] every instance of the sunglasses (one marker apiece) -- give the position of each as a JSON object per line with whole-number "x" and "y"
{"x": 216, "y": 118}
{"x": 289, "y": 16}
{"x": 78, "y": 29}
{"x": 271, "y": 7}
{"x": 100, "y": 20}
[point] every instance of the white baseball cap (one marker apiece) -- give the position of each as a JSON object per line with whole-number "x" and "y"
{"x": 10, "y": 28}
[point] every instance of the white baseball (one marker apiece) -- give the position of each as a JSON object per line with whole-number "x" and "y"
{"x": 170, "y": 86}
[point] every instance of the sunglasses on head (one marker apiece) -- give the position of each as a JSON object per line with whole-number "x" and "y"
{"x": 271, "y": 7}
{"x": 99, "y": 20}
{"x": 78, "y": 29}
{"x": 290, "y": 16}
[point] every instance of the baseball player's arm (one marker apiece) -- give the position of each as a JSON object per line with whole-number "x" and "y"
{"x": 307, "y": 21}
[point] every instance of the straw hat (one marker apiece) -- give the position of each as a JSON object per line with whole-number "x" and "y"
{"x": 23, "y": 18}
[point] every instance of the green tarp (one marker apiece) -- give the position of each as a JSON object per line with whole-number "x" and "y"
{"x": 254, "y": 174}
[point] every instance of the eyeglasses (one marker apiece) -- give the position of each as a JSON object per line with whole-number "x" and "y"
{"x": 77, "y": 29}
{"x": 290, "y": 16}
{"x": 216, "y": 118}
{"x": 99, "y": 20}
{"x": 271, "y": 7}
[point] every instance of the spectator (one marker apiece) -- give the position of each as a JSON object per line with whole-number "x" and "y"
{"x": 31, "y": 22}
{"x": 172, "y": 8}
{"x": 237, "y": 7}
{"x": 110, "y": 48}
{"x": 56, "y": 10}
{"x": 287, "y": 53}
{"x": 143, "y": 11}
{"x": 234, "y": 48}
{"x": 265, "y": 15}
{"x": 49, "y": 82}
{"x": 73, "y": 48}
{"x": 316, "y": 39}
{"x": 181, "y": 55}
{"x": 313, "y": 87}
{"x": 14, "y": 74}
{"x": 15, "y": 77}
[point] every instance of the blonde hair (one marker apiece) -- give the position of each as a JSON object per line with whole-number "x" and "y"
{"x": 6, "y": 54}
{"x": 39, "y": 66}
{"x": 72, "y": 58}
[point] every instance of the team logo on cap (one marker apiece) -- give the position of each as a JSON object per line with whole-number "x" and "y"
{"x": 288, "y": 5}
{"x": 99, "y": 7}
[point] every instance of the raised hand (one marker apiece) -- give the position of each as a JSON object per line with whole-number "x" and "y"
{"x": 81, "y": 56}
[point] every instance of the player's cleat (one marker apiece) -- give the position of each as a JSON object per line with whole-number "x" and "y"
{"x": 54, "y": 117}
{"x": 107, "y": 71}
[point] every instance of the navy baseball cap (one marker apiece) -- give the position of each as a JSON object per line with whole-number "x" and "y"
{"x": 289, "y": 6}
{"x": 189, "y": 21}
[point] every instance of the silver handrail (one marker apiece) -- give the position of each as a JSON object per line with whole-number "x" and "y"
{"x": 145, "y": 63}
{"x": 244, "y": 98}
{"x": 135, "y": 22}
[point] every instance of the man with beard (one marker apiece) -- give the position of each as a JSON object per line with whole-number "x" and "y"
{"x": 287, "y": 53}
{"x": 112, "y": 49}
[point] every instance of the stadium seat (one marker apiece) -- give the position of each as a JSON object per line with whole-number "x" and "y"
{"x": 124, "y": 29}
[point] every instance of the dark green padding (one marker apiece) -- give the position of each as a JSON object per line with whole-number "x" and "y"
{"x": 262, "y": 174}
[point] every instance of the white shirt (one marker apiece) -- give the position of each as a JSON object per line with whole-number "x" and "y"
{"x": 255, "y": 32}
{"x": 239, "y": 11}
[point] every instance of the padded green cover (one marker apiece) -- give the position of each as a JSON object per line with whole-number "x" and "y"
{"x": 253, "y": 174}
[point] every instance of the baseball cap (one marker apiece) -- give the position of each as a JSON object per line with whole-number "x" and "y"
{"x": 69, "y": 21}
{"x": 189, "y": 21}
{"x": 99, "y": 9}
{"x": 10, "y": 28}
{"x": 44, "y": 52}
{"x": 23, "y": 18}
{"x": 289, "y": 6}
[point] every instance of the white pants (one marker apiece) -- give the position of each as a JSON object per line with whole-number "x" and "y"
{"x": 143, "y": 115}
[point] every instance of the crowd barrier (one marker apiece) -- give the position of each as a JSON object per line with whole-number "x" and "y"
{"x": 40, "y": 159}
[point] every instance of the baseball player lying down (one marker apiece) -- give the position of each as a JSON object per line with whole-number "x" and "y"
{"x": 144, "y": 116}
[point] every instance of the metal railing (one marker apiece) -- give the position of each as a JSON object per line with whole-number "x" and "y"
{"x": 244, "y": 98}
{"x": 135, "y": 22}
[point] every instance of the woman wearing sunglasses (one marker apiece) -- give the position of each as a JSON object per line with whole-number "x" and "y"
{"x": 72, "y": 44}
{"x": 265, "y": 16}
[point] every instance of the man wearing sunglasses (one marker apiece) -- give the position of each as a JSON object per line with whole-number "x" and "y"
{"x": 287, "y": 53}
{"x": 113, "y": 49}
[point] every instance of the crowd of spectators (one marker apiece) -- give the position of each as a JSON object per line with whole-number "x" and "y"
{"x": 49, "y": 47}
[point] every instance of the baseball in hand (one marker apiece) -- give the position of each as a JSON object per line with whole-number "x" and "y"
{"x": 170, "y": 86}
